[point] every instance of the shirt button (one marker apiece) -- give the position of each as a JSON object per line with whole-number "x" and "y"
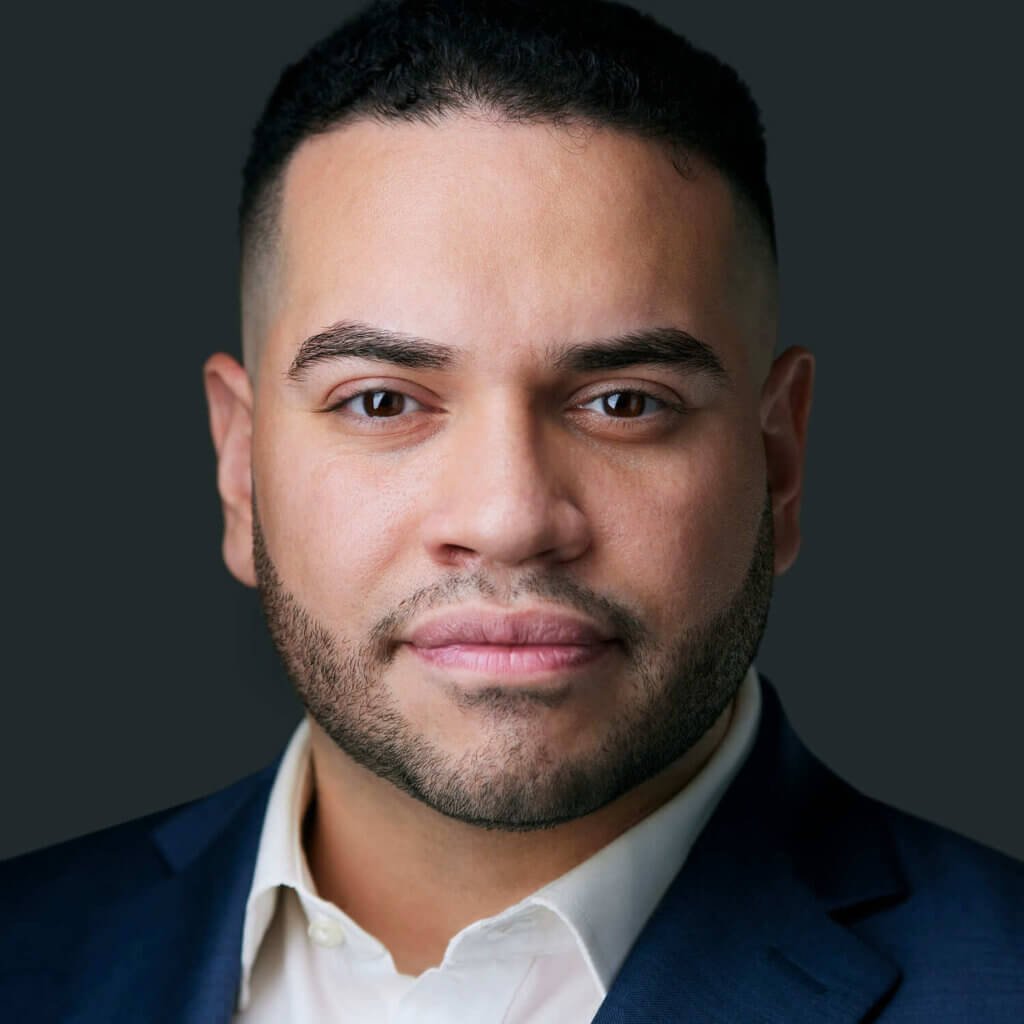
{"x": 325, "y": 932}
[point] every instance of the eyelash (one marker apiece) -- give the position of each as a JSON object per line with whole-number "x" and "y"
{"x": 666, "y": 405}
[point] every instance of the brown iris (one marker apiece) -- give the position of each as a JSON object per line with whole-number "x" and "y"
{"x": 383, "y": 403}
{"x": 625, "y": 403}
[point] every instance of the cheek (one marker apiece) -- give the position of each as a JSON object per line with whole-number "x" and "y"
{"x": 332, "y": 527}
{"x": 681, "y": 535}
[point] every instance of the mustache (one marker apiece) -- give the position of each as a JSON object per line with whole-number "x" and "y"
{"x": 558, "y": 591}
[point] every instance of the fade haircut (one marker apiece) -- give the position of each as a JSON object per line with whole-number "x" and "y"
{"x": 594, "y": 63}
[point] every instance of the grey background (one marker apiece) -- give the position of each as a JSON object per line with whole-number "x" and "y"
{"x": 137, "y": 671}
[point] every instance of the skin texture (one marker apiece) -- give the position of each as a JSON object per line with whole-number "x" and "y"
{"x": 505, "y": 484}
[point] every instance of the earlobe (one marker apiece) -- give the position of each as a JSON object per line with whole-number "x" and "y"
{"x": 785, "y": 412}
{"x": 230, "y": 403}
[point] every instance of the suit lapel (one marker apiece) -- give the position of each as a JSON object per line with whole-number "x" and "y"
{"x": 746, "y": 932}
{"x": 178, "y": 945}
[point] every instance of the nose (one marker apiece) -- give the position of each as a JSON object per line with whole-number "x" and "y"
{"x": 503, "y": 495}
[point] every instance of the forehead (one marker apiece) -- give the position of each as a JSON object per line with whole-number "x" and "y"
{"x": 499, "y": 237}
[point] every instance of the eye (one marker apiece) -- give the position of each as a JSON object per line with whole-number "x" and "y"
{"x": 627, "y": 404}
{"x": 376, "y": 403}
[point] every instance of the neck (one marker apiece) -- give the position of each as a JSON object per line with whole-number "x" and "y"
{"x": 414, "y": 878}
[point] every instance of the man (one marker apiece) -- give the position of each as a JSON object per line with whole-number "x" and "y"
{"x": 512, "y": 464}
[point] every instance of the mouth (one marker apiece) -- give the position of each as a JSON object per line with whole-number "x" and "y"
{"x": 526, "y": 645}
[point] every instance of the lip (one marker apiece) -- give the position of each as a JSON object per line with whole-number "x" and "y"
{"x": 533, "y": 644}
{"x": 535, "y": 629}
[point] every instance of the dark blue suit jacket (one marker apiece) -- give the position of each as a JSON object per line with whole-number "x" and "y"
{"x": 802, "y": 901}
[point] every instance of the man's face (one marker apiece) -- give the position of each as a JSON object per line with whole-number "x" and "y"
{"x": 509, "y": 477}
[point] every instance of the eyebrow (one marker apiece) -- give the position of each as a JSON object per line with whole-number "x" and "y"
{"x": 658, "y": 346}
{"x": 350, "y": 339}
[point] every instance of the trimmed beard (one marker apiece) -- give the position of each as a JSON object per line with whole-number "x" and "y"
{"x": 515, "y": 785}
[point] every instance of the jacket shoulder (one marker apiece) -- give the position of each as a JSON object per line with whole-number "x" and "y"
{"x": 958, "y": 883}
{"x": 948, "y": 911}
{"x": 958, "y": 936}
{"x": 68, "y": 881}
{"x": 81, "y": 868}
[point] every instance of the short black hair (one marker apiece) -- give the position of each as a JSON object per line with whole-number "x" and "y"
{"x": 547, "y": 61}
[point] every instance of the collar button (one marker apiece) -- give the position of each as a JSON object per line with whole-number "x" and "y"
{"x": 326, "y": 932}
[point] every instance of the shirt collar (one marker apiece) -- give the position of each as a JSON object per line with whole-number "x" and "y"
{"x": 280, "y": 859}
{"x": 604, "y": 902}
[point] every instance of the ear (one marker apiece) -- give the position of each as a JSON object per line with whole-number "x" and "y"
{"x": 785, "y": 410}
{"x": 230, "y": 401}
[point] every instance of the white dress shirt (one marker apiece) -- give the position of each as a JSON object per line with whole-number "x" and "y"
{"x": 549, "y": 959}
